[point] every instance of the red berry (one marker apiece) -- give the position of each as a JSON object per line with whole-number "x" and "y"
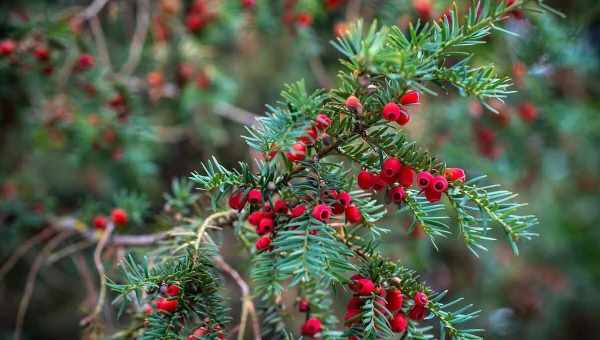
{"x": 100, "y": 222}
{"x": 337, "y": 208}
{"x": 455, "y": 174}
{"x": 391, "y": 111}
{"x": 311, "y": 327}
{"x": 353, "y": 104}
{"x": 432, "y": 196}
{"x": 380, "y": 183}
{"x": 237, "y": 201}
{"x": 397, "y": 195}
{"x": 410, "y": 97}
{"x": 265, "y": 226}
{"x": 173, "y": 290}
{"x": 304, "y": 19}
{"x": 297, "y": 152}
{"x": 344, "y": 198}
{"x": 255, "y": 217}
{"x": 417, "y": 313}
{"x": 420, "y": 299}
{"x": 406, "y": 177}
{"x": 7, "y": 47}
{"x": 248, "y": 3}
{"x": 280, "y": 207}
{"x": 119, "y": 216}
{"x": 263, "y": 243}
{"x": 147, "y": 309}
{"x": 255, "y": 196}
{"x": 366, "y": 180}
{"x": 394, "y": 300}
{"x": 85, "y": 61}
{"x": 363, "y": 286}
{"x": 322, "y": 212}
{"x": 41, "y": 53}
{"x": 528, "y": 112}
{"x": 311, "y": 138}
{"x": 195, "y": 22}
{"x": 303, "y": 305}
{"x": 298, "y": 210}
{"x": 323, "y": 121}
{"x": 398, "y": 323}
{"x": 439, "y": 184}
{"x": 165, "y": 305}
{"x": 424, "y": 178}
{"x": 351, "y": 316}
{"x": 353, "y": 214}
{"x": 198, "y": 333}
{"x": 403, "y": 119}
{"x": 354, "y": 303}
{"x": 391, "y": 168}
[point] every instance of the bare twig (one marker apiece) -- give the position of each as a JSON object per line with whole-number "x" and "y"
{"x": 67, "y": 251}
{"x": 235, "y": 114}
{"x": 208, "y": 222}
{"x": 23, "y": 249}
{"x": 31, "y": 278}
{"x": 92, "y": 10}
{"x": 139, "y": 37}
{"x": 100, "y": 42}
{"x": 86, "y": 275}
{"x": 100, "y": 268}
{"x": 247, "y": 304}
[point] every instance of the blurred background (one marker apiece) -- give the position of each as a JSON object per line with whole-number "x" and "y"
{"x": 104, "y": 103}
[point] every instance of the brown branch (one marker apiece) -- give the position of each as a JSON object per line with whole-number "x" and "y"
{"x": 247, "y": 304}
{"x": 100, "y": 268}
{"x": 235, "y": 114}
{"x": 92, "y": 10}
{"x": 86, "y": 275}
{"x": 23, "y": 249}
{"x": 139, "y": 37}
{"x": 100, "y": 42}
{"x": 31, "y": 278}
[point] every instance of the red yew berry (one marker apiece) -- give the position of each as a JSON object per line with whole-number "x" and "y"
{"x": 344, "y": 198}
{"x": 198, "y": 333}
{"x": 311, "y": 138}
{"x": 528, "y": 112}
{"x": 263, "y": 243}
{"x": 248, "y": 3}
{"x": 155, "y": 79}
{"x": 397, "y": 195}
{"x": 366, "y": 180}
{"x": 406, "y": 177}
{"x": 323, "y": 121}
{"x": 404, "y": 118}
{"x": 119, "y": 216}
{"x": 424, "y": 178}
{"x": 311, "y": 327}
{"x": 424, "y": 8}
{"x": 410, "y": 97}
{"x": 353, "y": 214}
{"x": 432, "y": 196}
{"x": 304, "y": 19}
{"x": 337, "y": 208}
{"x": 351, "y": 316}
{"x": 380, "y": 183}
{"x": 165, "y": 305}
{"x": 194, "y": 22}
{"x": 265, "y": 226}
{"x": 391, "y": 167}
{"x": 100, "y": 222}
{"x": 147, "y": 309}
{"x": 41, "y": 53}
{"x": 398, "y": 323}
{"x": 322, "y": 212}
{"x": 85, "y": 62}
{"x": 7, "y": 47}
{"x": 280, "y": 207}
{"x": 420, "y": 299}
{"x": 237, "y": 201}
{"x": 303, "y": 305}
{"x": 173, "y": 290}
{"x": 439, "y": 183}
{"x": 455, "y": 174}
{"x": 297, "y": 152}
{"x": 417, "y": 313}
{"x": 255, "y": 217}
{"x": 353, "y": 104}
{"x": 394, "y": 300}
{"x": 362, "y": 286}
{"x": 255, "y": 196}
{"x": 391, "y": 111}
{"x": 354, "y": 303}
{"x": 298, "y": 210}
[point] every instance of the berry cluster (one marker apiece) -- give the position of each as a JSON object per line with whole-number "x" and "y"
{"x": 394, "y": 175}
{"x": 394, "y": 302}
{"x": 314, "y": 133}
{"x": 118, "y": 216}
{"x": 203, "y": 332}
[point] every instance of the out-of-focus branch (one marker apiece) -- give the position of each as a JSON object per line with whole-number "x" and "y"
{"x": 247, "y": 304}
{"x": 92, "y": 10}
{"x": 100, "y": 42}
{"x": 316, "y": 65}
{"x": 139, "y": 37}
{"x": 23, "y": 249}
{"x": 235, "y": 114}
{"x": 31, "y": 278}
